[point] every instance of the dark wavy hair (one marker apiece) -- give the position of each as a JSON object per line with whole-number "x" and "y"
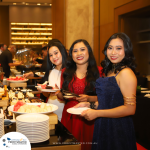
{"x": 60, "y": 46}
{"x": 127, "y": 61}
{"x": 92, "y": 70}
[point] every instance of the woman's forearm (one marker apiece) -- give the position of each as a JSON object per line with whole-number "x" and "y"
{"x": 60, "y": 95}
{"x": 92, "y": 98}
{"x": 46, "y": 94}
{"x": 121, "y": 111}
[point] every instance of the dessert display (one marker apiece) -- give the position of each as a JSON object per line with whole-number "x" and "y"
{"x": 19, "y": 94}
{"x": 24, "y": 96}
{"x": 36, "y": 100}
{"x": 1, "y": 90}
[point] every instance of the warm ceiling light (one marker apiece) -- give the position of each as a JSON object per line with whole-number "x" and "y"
{"x": 14, "y": 3}
{"x": 50, "y": 4}
{"x": 38, "y": 4}
{"x": 27, "y": 3}
{"x": 23, "y": 3}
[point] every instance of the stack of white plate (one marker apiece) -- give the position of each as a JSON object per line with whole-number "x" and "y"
{"x": 34, "y": 126}
{"x": 1, "y": 125}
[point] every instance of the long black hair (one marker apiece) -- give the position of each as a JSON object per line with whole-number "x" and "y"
{"x": 60, "y": 46}
{"x": 92, "y": 70}
{"x": 127, "y": 61}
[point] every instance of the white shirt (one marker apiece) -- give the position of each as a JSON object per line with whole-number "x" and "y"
{"x": 0, "y": 51}
{"x": 54, "y": 78}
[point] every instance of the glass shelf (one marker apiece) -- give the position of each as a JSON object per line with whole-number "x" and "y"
{"x": 31, "y": 28}
{"x": 42, "y": 24}
{"x": 24, "y": 43}
{"x": 30, "y": 33}
{"x": 31, "y": 38}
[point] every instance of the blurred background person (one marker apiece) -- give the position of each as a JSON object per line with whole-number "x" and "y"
{"x": 43, "y": 66}
{"x": 44, "y": 63}
{"x": 1, "y": 48}
{"x": 5, "y": 46}
{"x": 6, "y": 60}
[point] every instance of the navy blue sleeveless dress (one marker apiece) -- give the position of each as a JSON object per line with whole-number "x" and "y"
{"x": 112, "y": 133}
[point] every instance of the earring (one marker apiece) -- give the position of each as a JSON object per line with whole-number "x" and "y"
{"x": 53, "y": 66}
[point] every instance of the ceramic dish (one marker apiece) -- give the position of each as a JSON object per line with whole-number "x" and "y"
{"x": 54, "y": 107}
{"x": 77, "y": 111}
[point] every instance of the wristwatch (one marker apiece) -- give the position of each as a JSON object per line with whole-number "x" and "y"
{"x": 92, "y": 105}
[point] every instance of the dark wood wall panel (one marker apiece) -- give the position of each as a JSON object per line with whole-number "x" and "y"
{"x": 96, "y": 30}
{"x": 4, "y": 25}
{"x": 135, "y": 5}
{"x": 58, "y": 20}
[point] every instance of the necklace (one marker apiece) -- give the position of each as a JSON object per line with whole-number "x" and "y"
{"x": 113, "y": 67}
{"x": 81, "y": 75}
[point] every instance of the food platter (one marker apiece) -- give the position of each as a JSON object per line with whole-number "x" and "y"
{"x": 50, "y": 90}
{"x": 46, "y": 90}
{"x": 40, "y": 74}
{"x": 54, "y": 107}
{"x": 16, "y": 79}
{"x": 38, "y": 65}
{"x": 13, "y": 81}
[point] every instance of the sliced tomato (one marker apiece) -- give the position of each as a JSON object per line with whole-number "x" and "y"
{"x": 18, "y": 105}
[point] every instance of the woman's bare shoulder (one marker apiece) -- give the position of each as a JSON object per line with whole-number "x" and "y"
{"x": 127, "y": 75}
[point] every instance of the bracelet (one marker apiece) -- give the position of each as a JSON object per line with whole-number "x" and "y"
{"x": 92, "y": 105}
{"x": 62, "y": 92}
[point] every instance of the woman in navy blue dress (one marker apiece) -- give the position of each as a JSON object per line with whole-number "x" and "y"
{"x": 116, "y": 95}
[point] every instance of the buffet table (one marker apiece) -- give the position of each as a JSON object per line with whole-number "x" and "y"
{"x": 60, "y": 138}
{"x": 141, "y": 120}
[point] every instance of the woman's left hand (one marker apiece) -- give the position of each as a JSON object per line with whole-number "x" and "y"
{"x": 57, "y": 92}
{"x": 82, "y": 104}
{"x": 82, "y": 98}
{"x": 89, "y": 114}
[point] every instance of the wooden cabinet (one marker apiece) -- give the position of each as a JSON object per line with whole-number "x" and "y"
{"x": 30, "y": 33}
{"x": 136, "y": 25}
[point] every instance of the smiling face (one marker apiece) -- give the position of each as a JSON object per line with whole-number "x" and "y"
{"x": 55, "y": 56}
{"x": 115, "y": 51}
{"x": 80, "y": 54}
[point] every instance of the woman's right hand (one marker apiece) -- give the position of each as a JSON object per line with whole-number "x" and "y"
{"x": 82, "y": 104}
{"x": 57, "y": 92}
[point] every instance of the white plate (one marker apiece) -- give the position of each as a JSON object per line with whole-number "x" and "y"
{"x": 54, "y": 107}
{"x": 32, "y": 118}
{"x": 18, "y": 81}
{"x": 38, "y": 87}
{"x": 39, "y": 74}
{"x": 145, "y": 91}
{"x": 77, "y": 111}
{"x": 144, "y": 88}
{"x": 38, "y": 65}
{"x": 1, "y": 116}
{"x": 147, "y": 95}
{"x": 67, "y": 97}
{"x": 49, "y": 90}
{"x": 31, "y": 124}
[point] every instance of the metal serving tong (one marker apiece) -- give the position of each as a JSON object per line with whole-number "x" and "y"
{"x": 68, "y": 93}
